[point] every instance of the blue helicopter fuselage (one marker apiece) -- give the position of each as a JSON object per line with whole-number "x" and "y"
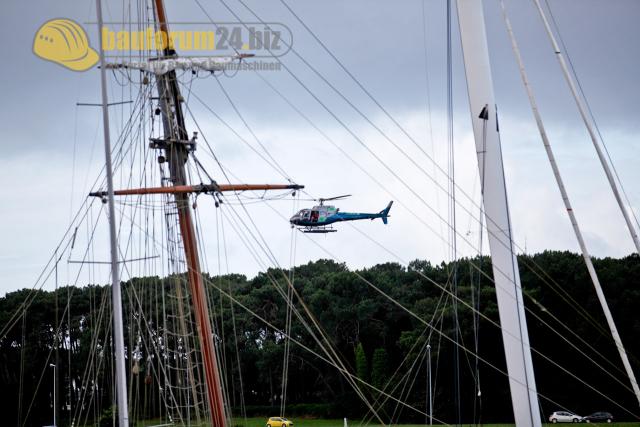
{"x": 322, "y": 215}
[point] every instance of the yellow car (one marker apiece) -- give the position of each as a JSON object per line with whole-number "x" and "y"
{"x": 279, "y": 422}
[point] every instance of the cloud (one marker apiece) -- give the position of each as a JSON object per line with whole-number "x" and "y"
{"x": 40, "y": 132}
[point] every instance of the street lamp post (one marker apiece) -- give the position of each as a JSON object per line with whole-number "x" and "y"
{"x": 430, "y": 397}
{"x": 51, "y": 365}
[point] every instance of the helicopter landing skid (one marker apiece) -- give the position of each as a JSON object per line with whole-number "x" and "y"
{"x": 319, "y": 230}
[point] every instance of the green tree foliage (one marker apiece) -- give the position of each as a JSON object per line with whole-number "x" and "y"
{"x": 362, "y": 368}
{"x": 353, "y": 316}
{"x": 379, "y": 368}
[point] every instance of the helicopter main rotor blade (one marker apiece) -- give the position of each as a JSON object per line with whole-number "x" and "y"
{"x": 334, "y": 198}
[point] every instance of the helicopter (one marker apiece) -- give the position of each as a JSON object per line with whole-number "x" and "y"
{"x": 319, "y": 218}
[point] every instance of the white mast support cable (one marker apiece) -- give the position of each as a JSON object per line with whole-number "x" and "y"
{"x": 567, "y": 204}
{"x": 515, "y": 335}
{"x": 118, "y": 336}
{"x": 589, "y": 126}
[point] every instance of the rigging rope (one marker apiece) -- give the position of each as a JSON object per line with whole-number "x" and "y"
{"x": 546, "y": 324}
{"x": 290, "y": 279}
{"x": 591, "y": 115}
{"x": 289, "y": 312}
{"x": 451, "y": 172}
{"x": 588, "y": 124}
{"x": 441, "y": 335}
{"x": 543, "y": 275}
{"x": 569, "y": 209}
{"x": 557, "y": 289}
{"x": 484, "y": 316}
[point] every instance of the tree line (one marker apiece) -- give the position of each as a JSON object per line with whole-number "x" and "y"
{"x": 380, "y": 339}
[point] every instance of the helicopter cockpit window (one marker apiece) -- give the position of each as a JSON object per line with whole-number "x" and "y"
{"x": 314, "y": 216}
{"x": 304, "y": 213}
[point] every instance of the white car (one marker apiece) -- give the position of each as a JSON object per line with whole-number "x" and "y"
{"x": 564, "y": 417}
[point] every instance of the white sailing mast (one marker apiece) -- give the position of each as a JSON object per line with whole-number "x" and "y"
{"x": 515, "y": 336}
{"x": 570, "y": 211}
{"x": 116, "y": 297}
{"x": 592, "y": 133}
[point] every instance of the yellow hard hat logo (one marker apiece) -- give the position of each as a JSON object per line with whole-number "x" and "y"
{"x": 65, "y": 42}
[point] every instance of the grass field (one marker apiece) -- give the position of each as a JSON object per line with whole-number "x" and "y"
{"x": 308, "y": 422}
{"x": 314, "y": 422}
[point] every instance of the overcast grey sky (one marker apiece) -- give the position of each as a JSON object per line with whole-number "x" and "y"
{"x": 53, "y": 148}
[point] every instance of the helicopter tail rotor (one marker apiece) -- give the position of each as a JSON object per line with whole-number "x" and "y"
{"x": 384, "y": 214}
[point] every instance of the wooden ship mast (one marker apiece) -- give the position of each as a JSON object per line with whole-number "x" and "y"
{"x": 175, "y": 148}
